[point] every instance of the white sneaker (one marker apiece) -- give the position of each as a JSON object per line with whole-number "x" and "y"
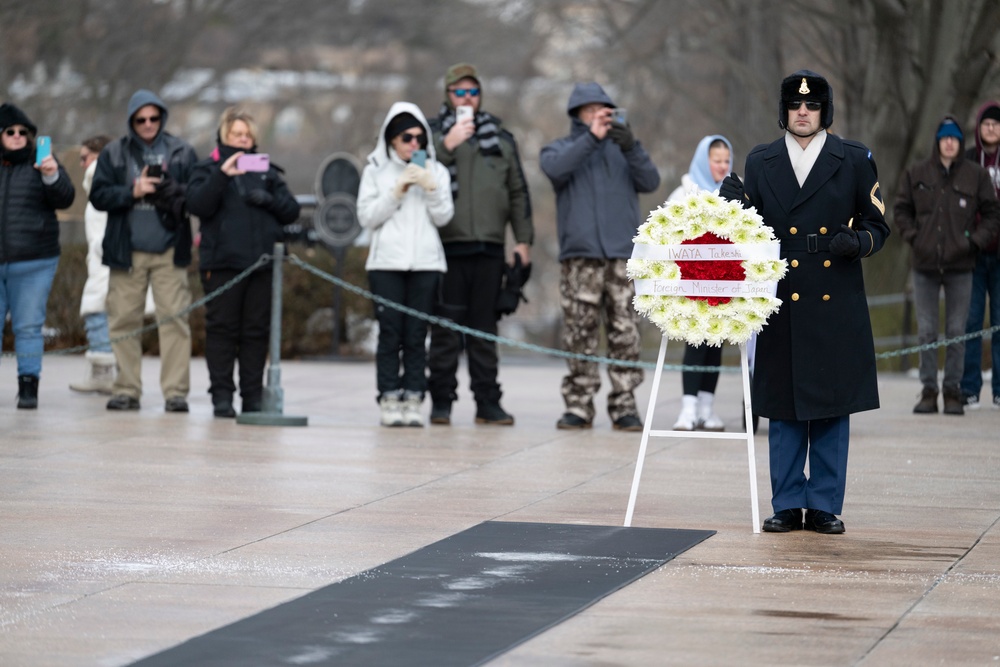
{"x": 971, "y": 402}
{"x": 707, "y": 419}
{"x": 688, "y": 418}
{"x": 411, "y": 409}
{"x": 996, "y": 402}
{"x": 392, "y": 410}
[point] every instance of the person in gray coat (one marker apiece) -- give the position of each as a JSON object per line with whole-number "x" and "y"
{"x": 597, "y": 171}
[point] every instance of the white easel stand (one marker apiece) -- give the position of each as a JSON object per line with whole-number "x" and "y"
{"x": 647, "y": 432}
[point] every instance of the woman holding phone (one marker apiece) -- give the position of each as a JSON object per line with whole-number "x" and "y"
{"x": 31, "y": 190}
{"x": 243, "y": 214}
{"x": 405, "y": 195}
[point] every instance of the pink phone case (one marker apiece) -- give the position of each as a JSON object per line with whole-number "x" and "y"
{"x": 253, "y": 162}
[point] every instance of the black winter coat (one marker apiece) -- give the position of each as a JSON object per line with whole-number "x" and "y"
{"x": 234, "y": 233}
{"x": 112, "y": 192}
{"x": 941, "y": 215}
{"x": 28, "y": 225}
{"x": 815, "y": 357}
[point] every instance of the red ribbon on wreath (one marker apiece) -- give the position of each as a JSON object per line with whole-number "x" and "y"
{"x": 710, "y": 269}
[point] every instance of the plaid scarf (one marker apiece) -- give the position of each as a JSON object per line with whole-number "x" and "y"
{"x": 487, "y": 136}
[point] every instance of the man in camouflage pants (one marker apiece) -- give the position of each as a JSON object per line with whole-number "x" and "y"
{"x": 597, "y": 172}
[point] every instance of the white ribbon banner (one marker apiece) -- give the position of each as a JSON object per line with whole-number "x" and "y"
{"x": 728, "y": 252}
{"x": 720, "y": 288}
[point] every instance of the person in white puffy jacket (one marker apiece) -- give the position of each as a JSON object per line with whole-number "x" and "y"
{"x": 402, "y": 204}
{"x": 99, "y": 374}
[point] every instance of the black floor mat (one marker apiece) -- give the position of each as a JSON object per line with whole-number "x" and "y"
{"x": 460, "y": 601}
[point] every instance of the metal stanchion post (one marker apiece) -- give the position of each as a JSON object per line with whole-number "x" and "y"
{"x": 273, "y": 403}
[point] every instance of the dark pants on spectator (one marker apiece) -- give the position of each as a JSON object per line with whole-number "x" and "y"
{"x": 401, "y": 333}
{"x": 468, "y": 293}
{"x": 237, "y": 327}
{"x": 701, "y": 355}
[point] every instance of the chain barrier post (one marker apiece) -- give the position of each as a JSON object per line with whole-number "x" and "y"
{"x": 273, "y": 403}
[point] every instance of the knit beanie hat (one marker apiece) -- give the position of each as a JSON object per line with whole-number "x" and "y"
{"x": 11, "y": 115}
{"x": 992, "y": 113}
{"x": 401, "y": 123}
{"x": 949, "y": 128}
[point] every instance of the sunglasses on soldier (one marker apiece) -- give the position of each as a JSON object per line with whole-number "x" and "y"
{"x": 793, "y": 105}
{"x": 462, "y": 92}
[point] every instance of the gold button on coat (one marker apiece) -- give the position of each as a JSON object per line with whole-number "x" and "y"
{"x": 795, "y": 263}
{"x": 822, "y": 230}
{"x": 793, "y": 230}
{"x": 826, "y": 263}
{"x": 795, "y": 297}
{"x": 826, "y": 297}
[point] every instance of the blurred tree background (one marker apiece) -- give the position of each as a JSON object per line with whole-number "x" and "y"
{"x": 320, "y": 74}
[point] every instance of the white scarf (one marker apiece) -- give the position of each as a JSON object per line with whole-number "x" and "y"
{"x": 803, "y": 159}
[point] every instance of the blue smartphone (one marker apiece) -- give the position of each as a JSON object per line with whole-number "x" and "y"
{"x": 43, "y": 148}
{"x": 419, "y": 157}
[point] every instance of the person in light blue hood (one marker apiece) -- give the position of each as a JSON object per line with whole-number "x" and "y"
{"x": 140, "y": 181}
{"x": 709, "y": 167}
{"x": 597, "y": 171}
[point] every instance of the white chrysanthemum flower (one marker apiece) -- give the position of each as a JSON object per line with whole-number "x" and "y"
{"x": 694, "y": 320}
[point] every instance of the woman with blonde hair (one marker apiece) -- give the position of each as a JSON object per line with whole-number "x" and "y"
{"x": 242, "y": 215}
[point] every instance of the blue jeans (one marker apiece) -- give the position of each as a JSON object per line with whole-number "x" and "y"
{"x": 24, "y": 292}
{"x": 96, "y": 325}
{"x": 985, "y": 282}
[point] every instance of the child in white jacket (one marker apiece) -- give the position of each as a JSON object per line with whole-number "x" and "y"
{"x": 403, "y": 203}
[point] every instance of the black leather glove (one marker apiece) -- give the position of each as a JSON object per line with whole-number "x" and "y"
{"x": 732, "y": 189}
{"x": 845, "y": 243}
{"x": 621, "y": 135}
{"x": 259, "y": 197}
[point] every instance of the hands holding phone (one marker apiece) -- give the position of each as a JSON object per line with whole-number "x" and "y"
{"x": 413, "y": 175}
{"x": 464, "y": 127}
{"x": 147, "y": 182}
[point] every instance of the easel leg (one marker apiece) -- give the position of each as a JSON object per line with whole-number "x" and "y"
{"x": 751, "y": 455}
{"x": 645, "y": 430}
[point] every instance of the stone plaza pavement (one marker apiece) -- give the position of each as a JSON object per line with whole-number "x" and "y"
{"x": 124, "y": 534}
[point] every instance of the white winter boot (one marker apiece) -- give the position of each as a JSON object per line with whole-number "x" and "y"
{"x": 707, "y": 419}
{"x": 688, "y": 418}
{"x": 392, "y": 409}
{"x": 412, "y": 403}
{"x": 99, "y": 374}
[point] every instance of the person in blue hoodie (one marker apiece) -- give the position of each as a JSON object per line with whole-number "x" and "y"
{"x": 140, "y": 182}
{"x": 597, "y": 171}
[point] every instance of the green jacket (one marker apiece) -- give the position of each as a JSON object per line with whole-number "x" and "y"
{"x": 491, "y": 192}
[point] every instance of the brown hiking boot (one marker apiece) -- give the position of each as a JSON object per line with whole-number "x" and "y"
{"x": 928, "y": 402}
{"x": 953, "y": 403}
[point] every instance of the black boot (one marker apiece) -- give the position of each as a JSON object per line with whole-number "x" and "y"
{"x": 27, "y": 392}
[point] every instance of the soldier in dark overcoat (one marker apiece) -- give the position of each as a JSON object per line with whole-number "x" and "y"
{"x": 815, "y": 360}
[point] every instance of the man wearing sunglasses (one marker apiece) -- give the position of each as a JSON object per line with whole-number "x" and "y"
{"x": 490, "y": 193}
{"x": 140, "y": 181}
{"x": 815, "y": 358}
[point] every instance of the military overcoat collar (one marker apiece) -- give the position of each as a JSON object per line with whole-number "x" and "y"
{"x": 780, "y": 177}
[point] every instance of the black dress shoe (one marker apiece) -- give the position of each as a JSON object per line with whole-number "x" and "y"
{"x": 784, "y": 521}
{"x": 572, "y": 422}
{"x": 823, "y": 522}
